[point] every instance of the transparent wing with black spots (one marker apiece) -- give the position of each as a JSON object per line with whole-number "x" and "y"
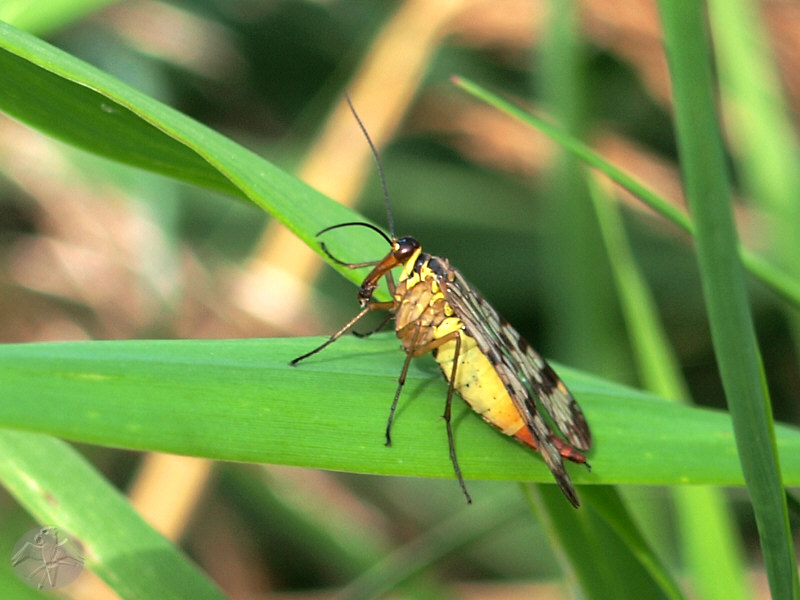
{"x": 525, "y": 374}
{"x": 518, "y": 364}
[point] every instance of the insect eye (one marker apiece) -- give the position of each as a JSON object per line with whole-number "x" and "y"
{"x": 404, "y": 248}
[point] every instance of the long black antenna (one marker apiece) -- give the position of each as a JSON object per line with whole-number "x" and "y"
{"x": 351, "y": 224}
{"x": 377, "y": 157}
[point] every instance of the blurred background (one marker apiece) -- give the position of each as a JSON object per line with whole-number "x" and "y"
{"x": 90, "y": 249}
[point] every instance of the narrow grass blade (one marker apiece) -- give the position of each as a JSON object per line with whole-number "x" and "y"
{"x": 56, "y": 485}
{"x": 612, "y": 571}
{"x": 763, "y": 138}
{"x": 38, "y": 17}
{"x": 706, "y": 180}
{"x": 708, "y": 540}
{"x": 779, "y": 281}
{"x": 602, "y": 550}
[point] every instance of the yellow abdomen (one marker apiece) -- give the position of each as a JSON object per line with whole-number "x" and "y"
{"x": 476, "y": 380}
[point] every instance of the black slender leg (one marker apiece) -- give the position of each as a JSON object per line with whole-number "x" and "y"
{"x": 447, "y": 415}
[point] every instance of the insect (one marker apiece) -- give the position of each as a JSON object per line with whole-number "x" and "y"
{"x": 482, "y": 357}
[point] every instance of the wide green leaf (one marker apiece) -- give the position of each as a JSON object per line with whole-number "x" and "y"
{"x": 240, "y": 400}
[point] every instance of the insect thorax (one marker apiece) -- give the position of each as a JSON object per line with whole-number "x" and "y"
{"x": 421, "y": 312}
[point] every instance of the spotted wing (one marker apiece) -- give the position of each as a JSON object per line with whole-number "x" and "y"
{"x": 526, "y": 375}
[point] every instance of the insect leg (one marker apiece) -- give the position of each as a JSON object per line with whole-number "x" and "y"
{"x": 390, "y": 282}
{"x": 369, "y": 307}
{"x": 419, "y": 351}
{"x": 413, "y": 352}
{"x": 400, "y": 382}
{"x": 390, "y": 285}
{"x": 380, "y": 326}
{"x": 447, "y": 408}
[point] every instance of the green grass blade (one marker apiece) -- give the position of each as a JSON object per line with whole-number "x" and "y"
{"x": 706, "y": 181}
{"x": 583, "y": 273}
{"x": 574, "y": 541}
{"x": 38, "y": 17}
{"x": 606, "y": 502}
{"x": 601, "y": 548}
{"x": 56, "y": 485}
{"x": 708, "y": 540}
{"x": 43, "y": 84}
{"x": 240, "y": 400}
{"x": 764, "y": 140}
{"x": 780, "y": 282}
{"x": 576, "y": 265}
{"x": 656, "y": 366}
{"x": 40, "y": 85}
{"x": 582, "y": 151}
{"x": 711, "y": 545}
